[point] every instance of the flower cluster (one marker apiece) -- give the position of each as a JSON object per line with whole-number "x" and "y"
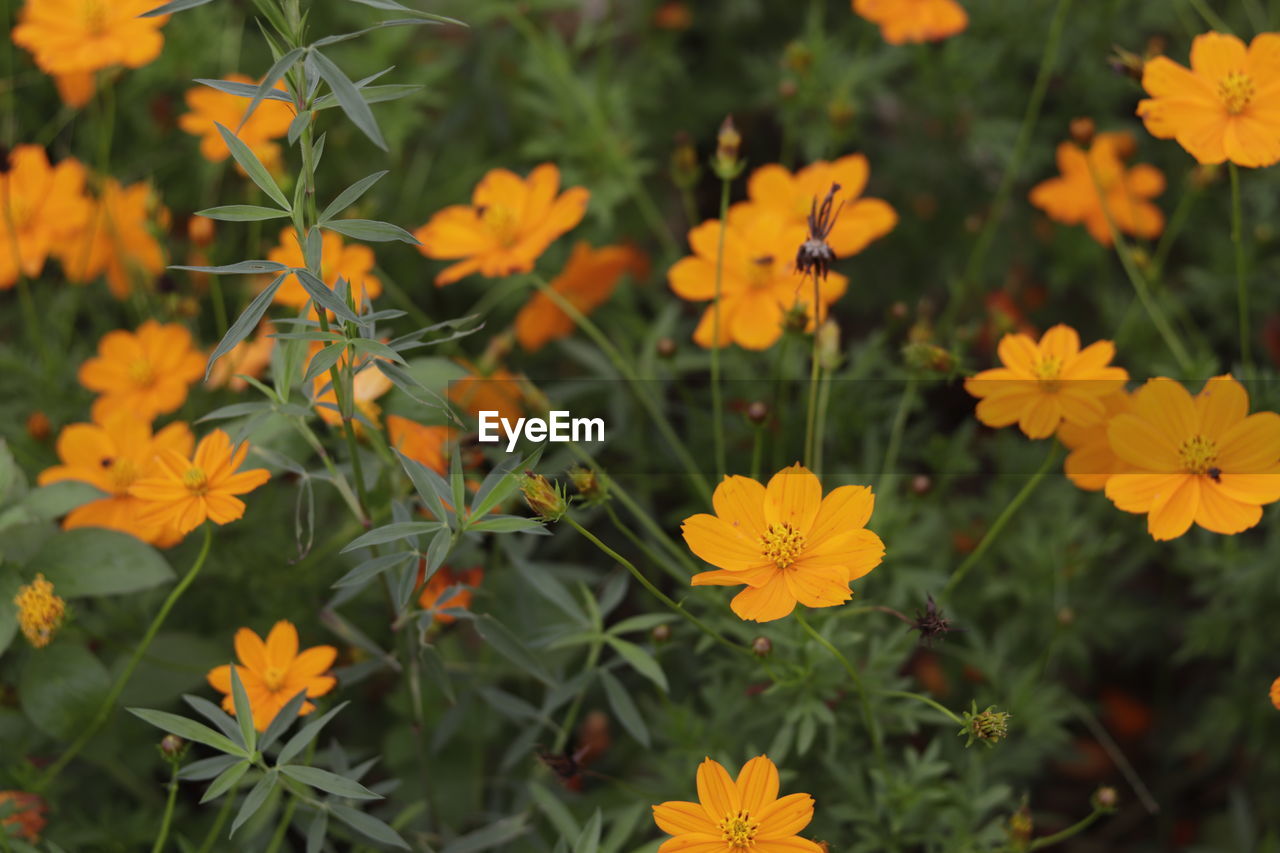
{"x": 40, "y": 611}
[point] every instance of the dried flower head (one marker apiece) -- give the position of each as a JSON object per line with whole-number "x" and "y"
{"x": 40, "y": 611}
{"x": 815, "y": 257}
{"x": 989, "y": 726}
{"x": 931, "y": 623}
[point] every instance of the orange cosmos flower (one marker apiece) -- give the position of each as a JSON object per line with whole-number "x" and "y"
{"x": 587, "y": 282}
{"x": 1073, "y": 198}
{"x": 146, "y": 373}
{"x": 77, "y": 88}
{"x": 1225, "y": 106}
{"x": 1275, "y": 693}
{"x": 118, "y": 240}
{"x": 112, "y": 456}
{"x": 424, "y": 444}
{"x": 24, "y": 815}
{"x": 247, "y": 358}
{"x": 1091, "y": 461}
{"x": 508, "y": 225}
{"x": 914, "y": 21}
{"x": 496, "y": 391}
{"x": 368, "y": 385}
{"x": 786, "y": 542}
{"x": 270, "y": 121}
{"x": 462, "y": 582}
{"x": 42, "y": 208}
{"x": 337, "y": 260}
{"x": 77, "y": 37}
{"x": 274, "y": 672}
{"x": 1043, "y": 384}
{"x": 790, "y": 198}
{"x": 186, "y": 491}
{"x": 1201, "y": 459}
{"x": 759, "y": 283}
{"x": 731, "y": 816}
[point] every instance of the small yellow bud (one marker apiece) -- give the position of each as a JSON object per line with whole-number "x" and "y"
{"x": 40, "y": 611}
{"x": 545, "y": 499}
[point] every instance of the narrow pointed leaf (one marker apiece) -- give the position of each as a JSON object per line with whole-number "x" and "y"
{"x": 173, "y": 6}
{"x": 252, "y": 166}
{"x": 323, "y": 296}
{"x": 268, "y": 83}
{"x": 282, "y": 720}
{"x": 256, "y": 797}
{"x": 349, "y": 98}
{"x": 306, "y": 734}
{"x": 225, "y": 781}
{"x": 244, "y": 711}
{"x": 329, "y": 782}
{"x": 392, "y": 533}
{"x": 245, "y": 323}
{"x": 371, "y": 231}
{"x": 368, "y": 825}
{"x": 239, "y": 268}
{"x": 242, "y": 90}
{"x": 350, "y": 196}
{"x": 242, "y": 213}
{"x": 188, "y": 729}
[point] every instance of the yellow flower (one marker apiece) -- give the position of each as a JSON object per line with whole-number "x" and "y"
{"x": 146, "y": 373}
{"x": 274, "y": 672}
{"x": 914, "y": 21}
{"x": 1041, "y": 385}
{"x": 80, "y": 36}
{"x": 508, "y": 225}
{"x": 117, "y": 240}
{"x": 731, "y": 816}
{"x": 42, "y": 208}
{"x": 40, "y": 611}
{"x": 786, "y": 542}
{"x": 210, "y": 107}
{"x": 1204, "y": 459}
{"x": 185, "y": 491}
{"x": 353, "y": 263}
{"x": 1091, "y": 461}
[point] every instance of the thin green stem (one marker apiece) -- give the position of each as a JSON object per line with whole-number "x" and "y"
{"x": 1003, "y": 519}
{"x": 224, "y": 814}
{"x": 1070, "y": 831}
{"x": 757, "y": 451}
{"x": 653, "y": 590}
{"x": 1212, "y": 18}
{"x": 717, "y": 402}
{"x": 32, "y": 316}
{"x": 108, "y": 704}
{"x": 1173, "y": 230}
{"x": 918, "y": 697}
{"x": 219, "y": 305}
{"x": 571, "y": 716}
{"x": 815, "y": 368}
{"x": 873, "y": 730}
{"x": 1242, "y": 286}
{"x": 282, "y": 827}
{"x": 643, "y": 547}
{"x": 1021, "y": 148}
{"x": 628, "y": 372}
{"x": 163, "y": 835}
{"x": 895, "y": 433}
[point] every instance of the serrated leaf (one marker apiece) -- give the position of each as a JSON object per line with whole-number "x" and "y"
{"x": 242, "y": 213}
{"x": 391, "y": 533}
{"x": 350, "y": 196}
{"x": 624, "y": 709}
{"x": 329, "y": 782}
{"x": 252, "y": 166}
{"x": 188, "y": 729}
{"x": 640, "y": 660}
{"x": 349, "y": 98}
{"x": 255, "y": 798}
{"x": 371, "y": 230}
{"x": 245, "y": 323}
{"x": 306, "y": 734}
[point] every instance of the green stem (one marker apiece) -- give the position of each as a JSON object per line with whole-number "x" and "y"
{"x": 643, "y": 547}
{"x": 108, "y": 704}
{"x": 1075, "y": 829}
{"x": 163, "y": 835}
{"x": 873, "y": 731}
{"x": 282, "y": 828}
{"x": 1210, "y": 17}
{"x": 224, "y": 813}
{"x": 1242, "y": 287}
{"x": 571, "y": 716}
{"x": 657, "y": 593}
{"x": 717, "y": 403}
{"x": 917, "y": 697}
{"x": 628, "y": 372}
{"x": 999, "y": 524}
{"x": 895, "y": 433}
{"x": 219, "y": 305}
{"x": 32, "y": 315}
{"x": 1021, "y": 148}
{"x": 811, "y": 416}
{"x": 757, "y": 451}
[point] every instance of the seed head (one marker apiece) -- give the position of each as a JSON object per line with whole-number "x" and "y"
{"x": 989, "y": 726}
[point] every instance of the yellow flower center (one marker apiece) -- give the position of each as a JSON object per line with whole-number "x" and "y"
{"x": 739, "y": 831}
{"x": 95, "y": 17}
{"x": 196, "y": 481}
{"x": 274, "y": 677}
{"x": 40, "y": 611}
{"x": 141, "y": 372}
{"x": 1198, "y": 454}
{"x": 501, "y": 222}
{"x": 782, "y": 544}
{"x": 760, "y": 272}
{"x": 1047, "y": 370}
{"x": 1236, "y": 90}
{"x": 123, "y": 473}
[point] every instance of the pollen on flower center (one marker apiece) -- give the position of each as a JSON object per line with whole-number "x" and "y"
{"x": 196, "y": 481}
{"x": 502, "y": 223}
{"x": 95, "y": 16}
{"x": 274, "y": 677}
{"x": 1236, "y": 90}
{"x": 1198, "y": 454}
{"x": 141, "y": 372}
{"x": 782, "y": 544}
{"x": 739, "y": 830}
{"x": 760, "y": 272}
{"x": 1047, "y": 371}
{"x": 123, "y": 474}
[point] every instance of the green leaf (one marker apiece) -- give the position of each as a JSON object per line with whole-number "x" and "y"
{"x": 306, "y": 734}
{"x": 643, "y": 622}
{"x": 491, "y": 836}
{"x": 188, "y": 729}
{"x": 58, "y": 499}
{"x": 589, "y": 839}
{"x": 393, "y": 6}
{"x": 61, "y": 687}
{"x": 350, "y": 196}
{"x": 173, "y": 6}
{"x": 252, "y": 166}
{"x": 244, "y": 711}
{"x": 322, "y": 295}
{"x": 269, "y": 80}
{"x": 326, "y": 358}
{"x": 349, "y": 98}
{"x": 9, "y": 583}
{"x": 245, "y": 323}
{"x": 438, "y": 550}
{"x": 316, "y": 831}
{"x": 509, "y": 524}
{"x": 254, "y": 267}
{"x": 509, "y": 646}
{"x": 368, "y": 825}
{"x": 256, "y": 797}
{"x": 457, "y": 482}
{"x": 500, "y": 484}
{"x": 207, "y": 768}
{"x": 330, "y": 782}
{"x": 226, "y": 780}
{"x": 640, "y": 660}
{"x": 436, "y": 670}
{"x": 92, "y": 561}
{"x": 373, "y": 567}
{"x": 392, "y": 532}
{"x": 225, "y": 722}
{"x": 373, "y": 94}
{"x": 243, "y": 90}
{"x": 429, "y": 485}
{"x": 242, "y": 213}
{"x": 371, "y": 231}
{"x": 624, "y": 709}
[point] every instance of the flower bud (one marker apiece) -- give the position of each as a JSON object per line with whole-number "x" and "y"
{"x": 758, "y": 412}
{"x": 1126, "y": 62}
{"x": 587, "y": 484}
{"x": 545, "y": 499}
{"x": 921, "y": 484}
{"x": 797, "y": 57}
{"x": 727, "y": 164}
{"x": 38, "y": 426}
{"x": 829, "y": 345}
{"x": 989, "y": 727}
{"x": 666, "y": 347}
{"x": 1082, "y": 130}
{"x": 1021, "y": 826}
{"x": 661, "y": 633}
{"x": 172, "y": 748}
{"x": 762, "y": 647}
{"x": 1105, "y": 799}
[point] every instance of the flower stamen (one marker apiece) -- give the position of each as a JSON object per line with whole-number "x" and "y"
{"x": 782, "y": 544}
{"x": 196, "y": 480}
{"x": 1236, "y": 90}
{"x": 1198, "y": 455}
{"x": 739, "y": 830}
